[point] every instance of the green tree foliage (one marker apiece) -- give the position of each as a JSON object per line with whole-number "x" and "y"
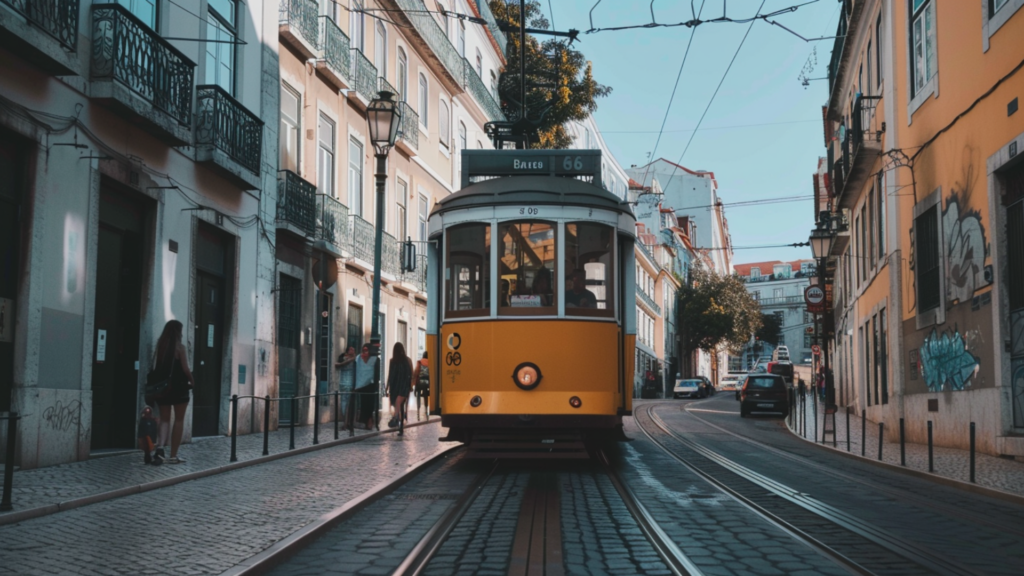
{"x": 716, "y": 311}
{"x": 555, "y": 74}
{"x": 770, "y": 329}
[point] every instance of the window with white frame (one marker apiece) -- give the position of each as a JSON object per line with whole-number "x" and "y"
{"x": 402, "y": 75}
{"x": 355, "y": 177}
{"x": 868, "y": 60}
{"x": 424, "y": 101}
{"x": 462, "y": 38}
{"x": 755, "y": 273}
{"x": 380, "y": 49}
{"x": 221, "y": 35}
{"x": 479, "y": 64}
{"x": 778, "y": 293}
{"x": 291, "y": 112}
{"x": 401, "y": 221}
{"x": 424, "y": 205}
{"x": 878, "y": 51}
{"x": 756, "y": 295}
{"x": 325, "y": 156}
{"x": 922, "y": 44}
{"x": 443, "y": 123}
{"x": 494, "y": 85}
{"x": 356, "y": 25}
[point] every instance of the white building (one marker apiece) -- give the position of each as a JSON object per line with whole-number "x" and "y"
{"x": 779, "y": 289}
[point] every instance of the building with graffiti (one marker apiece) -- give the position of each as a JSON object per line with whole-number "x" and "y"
{"x": 926, "y": 198}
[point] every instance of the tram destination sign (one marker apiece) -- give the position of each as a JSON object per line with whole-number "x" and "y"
{"x": 492, "y": 163}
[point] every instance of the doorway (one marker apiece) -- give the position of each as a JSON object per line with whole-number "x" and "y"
{"x": 214, "y": 253}
{"x": 11, "y": 178}
{"x": 289, "y": 307}
{"x": 115, "y": 376}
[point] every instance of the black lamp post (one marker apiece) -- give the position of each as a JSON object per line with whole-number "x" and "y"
{"x": 384, "y": 117}
{"x": 821, "y": 241}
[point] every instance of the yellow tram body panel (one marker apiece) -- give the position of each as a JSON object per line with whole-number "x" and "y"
{"x": 575, "y": 358}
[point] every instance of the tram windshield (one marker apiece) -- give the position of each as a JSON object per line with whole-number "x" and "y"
{"x": 468, "y": 278}
{"x": 526, "y": 268}
{"x": 589, "y": 260}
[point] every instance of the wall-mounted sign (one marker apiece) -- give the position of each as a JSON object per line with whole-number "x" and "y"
{"x": 101, "y": 346}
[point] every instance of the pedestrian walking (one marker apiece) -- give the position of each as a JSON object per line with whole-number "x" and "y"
{"x": 170, "y": 356}
{"x": 365, "y": 390}
{"x": 399, "y": 384}
{"x": 421, "y": 376}
{"x": 346, "y": 382}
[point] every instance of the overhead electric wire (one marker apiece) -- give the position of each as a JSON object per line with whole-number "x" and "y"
{"x": 816, "y": 120}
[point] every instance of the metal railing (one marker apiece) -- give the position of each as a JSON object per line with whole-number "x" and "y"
{"x": 296, "y": 201}
{"x": 331, "y": 220}
{"x": 301, "y": 15}
{"x": 646, "y": 299}
{"x": 58, "y": 18}
{"x": 390, "y": 258}
{"x": 492, "y": 25}
{"x": 418, "y": 276}
{"x": 384, "y": 86}
{"x": 364, "y": 75}
{"x": 436, "y": 39}
{"x": 409, "y": 130}
{"x": 781, "y": 300}
{"x": 223, "y": 122}
{"x": 336, "y": 47}
{"x": 861, "y": 119}
{"x": 476, "y": 87}
{"x": 362, "y": 239}
{"x": 126, "y": 50}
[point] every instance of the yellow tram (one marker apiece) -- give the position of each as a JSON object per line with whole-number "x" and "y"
{"x": 531, "y": 320}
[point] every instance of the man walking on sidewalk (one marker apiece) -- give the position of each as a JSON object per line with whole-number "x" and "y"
{"x": 365, "y": 390}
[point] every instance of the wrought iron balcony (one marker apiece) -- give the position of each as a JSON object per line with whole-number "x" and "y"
{"x": 475, "y": 86}
{"x": 390, "y": 258}
{"x": 331, "y": 221}
{"x": 58, "y": 18}
{"x": 781, "y": 301}
{"x": 296, "y": 202}
{"x": 125, "y": 50}
{"x": 362, "y": 239}
{"x": 646, "y": 299}
{"x": 297, "y": 21}
{"x": 364, "y": 75}
{"x": 409, "y": 130}
{"x": 383, "y": 85}
{"x": 418, "y": 277}
{"x": 440, "y": 46}
{"x": 222, "y": 122}
{"x": 858, "y": 150}
{"x": 492, "y": 25}
{"x": 335, "y": 58}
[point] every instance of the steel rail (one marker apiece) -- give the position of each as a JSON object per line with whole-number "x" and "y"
{"x": 678, "y": 562}
{"x": 924, "y": 558}
{"x": 428, "y": 546}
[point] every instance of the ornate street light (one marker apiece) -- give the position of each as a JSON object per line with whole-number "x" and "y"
{"x": 821, "y": 244}
{"x": 821, "y": 241}
{"x": 384, "y": 117}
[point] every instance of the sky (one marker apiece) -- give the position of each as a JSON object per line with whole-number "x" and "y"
{"x": 762, "y": 135}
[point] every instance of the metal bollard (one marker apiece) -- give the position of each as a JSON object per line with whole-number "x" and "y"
{"x": 266, "y": 425}
{"x": 337, "y": 412}
{"x": 881, "y": 434}
{"x": 972, "y": 452}
{"x": 931, "y": 461}
{"x": 903, "y": 446}
{"x": 291, "y": 425}
{"x": 814, "y": 410}
{"x": 863, "y": 432}
{"x": 847, "y": 429}
{"x": 12, "y": 428}
{"x": 316, "y": 418}
{"x": 234, "y": 427}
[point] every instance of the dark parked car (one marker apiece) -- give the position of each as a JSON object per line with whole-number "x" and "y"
{"x": 784, "y": 369}
{"x": 764, "y": 393}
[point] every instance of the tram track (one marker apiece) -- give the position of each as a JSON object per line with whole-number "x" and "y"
{"x": 859, "y": 546}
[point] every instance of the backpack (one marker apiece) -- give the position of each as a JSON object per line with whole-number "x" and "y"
{"x": 423, "y": 384}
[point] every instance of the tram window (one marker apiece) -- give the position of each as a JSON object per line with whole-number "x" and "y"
{"x": 589, "y": 269}
{"x": 526, "y": 263}
{"x": 468, "y": 277}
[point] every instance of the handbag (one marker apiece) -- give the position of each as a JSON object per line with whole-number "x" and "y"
{"x": 157, "y": 385}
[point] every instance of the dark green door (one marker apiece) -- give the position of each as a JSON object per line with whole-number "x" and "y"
{"x": 288, "y": 325}
{"x": 209, "y": 355}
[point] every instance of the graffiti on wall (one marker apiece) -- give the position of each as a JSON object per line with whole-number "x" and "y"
{"x": 946, "y": 360}
{"x": 63, "y": 418}
{"x": 965, "y": 251}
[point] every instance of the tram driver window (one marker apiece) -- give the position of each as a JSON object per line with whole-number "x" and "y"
{"x": 526, "y": 262}
{"x": 468, "y": 277}
{"x": 589, "y": 269}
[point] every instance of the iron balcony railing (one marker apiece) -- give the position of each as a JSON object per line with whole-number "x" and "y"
{"x": 58, "y": 18}
{"x": 296, "y": 201}
{"x": 418, "y": 276}
{"x": 223, "y": 122}
{"x": 409, "y": 130}
{"x": 336, "y": 47}
{"x": 781, "y": 300}
{"x": 126, "y": 50}
{"x": 390, "y": 258}
{"x": 331, "y": 220}
{"x": 384, "y": 86}
{"x": 432, "y": 34}
{"x": 301, "y": 16}
{"x": 364, "y": 75}
{"x": 475, "y": 86}
{"x": 861, "y": 120}
{"x": 648, "y": 300}
{"x": 362, "y": 239}
{"x": 492, "y": 25}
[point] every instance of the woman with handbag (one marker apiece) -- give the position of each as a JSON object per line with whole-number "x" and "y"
{"x": 171, "y": 358}
{"x": 399, "y": 384}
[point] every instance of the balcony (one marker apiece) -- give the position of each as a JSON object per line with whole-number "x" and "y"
{"x": 297, "y": 24}
{"x": 648, "y": 301}
{"x": 332, "y": 232}
{"x": 296, "y": 202}
{"x": 335, "y": 62}
{"x": 851, "y": 18}
{"x": 409, "y": 130}
{"x": 782, "y": 301}
{"x": 384, "y": 86}
{"x": 45, "y": 32}
{"x": 859, "y": 149}
{"x": 484, "y": 99}
{"x": 492, "y": 25}
{"x": 364, "y": 79}
{"x": 417, "y": 278}
{"x": 362, "y": 240}
{"x": 437, "y": 46}
{"x": 228, "y": 136}
{"x": 390, "y": 258}
{"x": 137, "y": 70}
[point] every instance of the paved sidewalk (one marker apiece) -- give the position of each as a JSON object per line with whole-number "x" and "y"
{"x": 55, "y": 485}
{"x": 990, "y": 472}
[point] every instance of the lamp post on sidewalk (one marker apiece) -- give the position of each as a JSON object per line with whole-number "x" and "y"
{"x": 384, "y": 117}
{"x": 821, "y": 241}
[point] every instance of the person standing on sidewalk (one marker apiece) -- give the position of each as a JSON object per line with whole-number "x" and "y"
{"x": 171, "y": 357}
{"x": 421, "y": 378}
{"x": 346, "y": 381}
{"x": 399, "y": 384}
{"x": 365, "y": 390}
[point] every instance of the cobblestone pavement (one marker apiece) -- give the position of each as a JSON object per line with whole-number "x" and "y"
{"x": 719, "y": 534}
{"x": 55, "y": 484}
{"x": 208, "y": 525}
{"x": 952, "y": 525}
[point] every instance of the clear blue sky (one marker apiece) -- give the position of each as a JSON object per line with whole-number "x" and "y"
{"x": 749, "y": 162}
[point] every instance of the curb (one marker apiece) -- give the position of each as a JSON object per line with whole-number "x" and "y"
{"x": 950, "y": 482}
{"x": 39, "y": 511}
{"x": 279, "y": 551}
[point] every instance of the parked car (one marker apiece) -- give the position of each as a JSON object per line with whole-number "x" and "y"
{"x": 731, "y": 381}
{"x": 764, "y": 393}
{"x": 782, "y": 368}
{"x": 780, "y": 353}
{"x": 690, "y": 388}
{"x": 709, "y": 385}
{"x": 650, "y": 389}
{"x": 807, "y": 361}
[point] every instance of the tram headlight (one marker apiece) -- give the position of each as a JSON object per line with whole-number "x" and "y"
{"x": 575, "y": 402}
{"x": 475, "y": 401}
{"x": 527, "y": 376}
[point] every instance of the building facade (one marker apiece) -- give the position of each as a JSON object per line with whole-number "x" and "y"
{"x": 779, "y": 288}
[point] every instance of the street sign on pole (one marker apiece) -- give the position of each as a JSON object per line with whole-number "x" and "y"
{"x": 816, "y": 350}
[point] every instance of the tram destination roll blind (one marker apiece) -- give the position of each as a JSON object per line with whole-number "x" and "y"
{"x": 482, "y": 164}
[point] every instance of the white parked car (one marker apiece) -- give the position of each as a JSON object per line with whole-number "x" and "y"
{"x": 780, "y": 353}
{"x": 690, "y": 388}
{"x": 731, "y": 381}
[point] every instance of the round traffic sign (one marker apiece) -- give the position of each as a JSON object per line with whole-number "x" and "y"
{"x": 815, "y": 349}
{"x": 814, "y": 295}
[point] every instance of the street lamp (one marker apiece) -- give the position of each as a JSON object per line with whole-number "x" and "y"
{"x": 821, "y": 241}
{"x": 384, "y": 117}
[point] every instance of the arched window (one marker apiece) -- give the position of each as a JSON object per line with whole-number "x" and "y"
{"x": 442, "y": 15}
{"x": 479, "y": 64}
{"x": 494, "y": 85}
{"x": 380, "y": 50}
{"x": 402, "y": 78}
{"x": 443, "y": 123}
{"x": 355, "y": 25}
{"x": 462, "y": 136}
{"x": 462, "y": 38}
{"x": 424, "y": 101}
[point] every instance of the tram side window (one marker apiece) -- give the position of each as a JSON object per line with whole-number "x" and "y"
{"x": 468, "y": 277}
{"x": 589, "y": 263}
{"x": 526, "y": 266}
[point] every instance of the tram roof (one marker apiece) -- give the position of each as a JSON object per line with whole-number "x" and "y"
{"x": 533, "y": 190}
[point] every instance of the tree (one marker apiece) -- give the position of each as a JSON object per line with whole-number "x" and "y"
{"x": 770, "y": 329}
{"x": 716, "y": 311}
{"x": 560, "y": 81}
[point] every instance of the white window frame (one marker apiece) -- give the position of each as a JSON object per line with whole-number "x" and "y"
{"x": 380, "y": 49}
{"x": 357, "y": 26}
{"x": 326, "y": 158}
{"x": 221, "y": 27}
{"x": 920, "y": 95}
{"x": 402, "y": 210}
{"x": 297, "y": 130}
{"x": 444, "y": 125}
{"x": 460, "y": 45}
{"x": 355, "y": 177}
{"x": 992, "y": 22}
{"x": 424, "y": 100}
{"x": 422, "y": 214}
{"x": 479, "y": 64}
{"x": 402, "y": 74}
